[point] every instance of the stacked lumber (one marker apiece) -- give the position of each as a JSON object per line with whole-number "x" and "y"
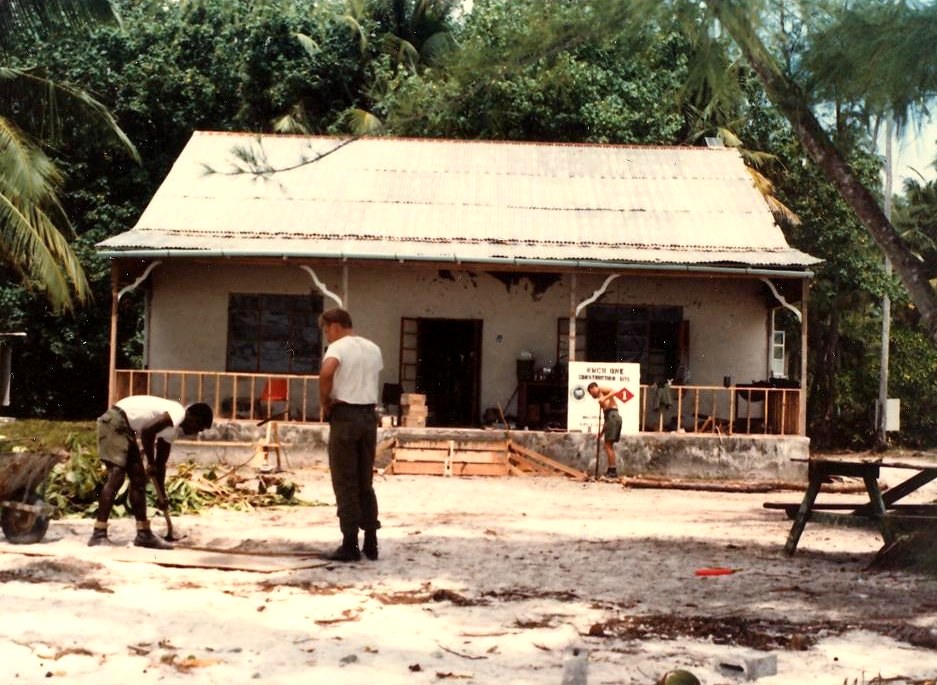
{"x": 412, "y": 410}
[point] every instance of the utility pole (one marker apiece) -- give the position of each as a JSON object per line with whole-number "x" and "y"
{"x": 881, "y": 435}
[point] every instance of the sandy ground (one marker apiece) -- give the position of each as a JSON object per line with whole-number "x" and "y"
{"x": 479, "y": 581}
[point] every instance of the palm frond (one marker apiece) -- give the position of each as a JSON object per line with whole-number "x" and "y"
{"x": 781, "y": 211}
{"x": 27, "y": 173}
{"x": 44, "y": 107}
{"x": 401, "y": 51}
{"x": 294, "y": 120}
{"x": 308, "y": 44}
{"x": 361, "y": 122}
{"x": 352, "y": 23}
{"x": 44, "y": 16}
{"x": 31, "y": 240}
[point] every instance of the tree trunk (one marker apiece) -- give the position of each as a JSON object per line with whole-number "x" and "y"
{"x": 823, "y": 391}
{"x": 789, "y": 99}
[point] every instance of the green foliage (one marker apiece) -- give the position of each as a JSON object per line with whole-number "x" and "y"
{"x": 844, "y": 314}
{"x": 38, "y": 113}
{"x": 913, "y": 378}
{"x": 877, "y": 55}
{"x": 35, "y": 435}
{"x": 915, "y": 217}
{"x": 75, "y": 485}
{"x": 501, "y": 83}
{"x": 551, "y": 70}
{"x": 170, "y": 69}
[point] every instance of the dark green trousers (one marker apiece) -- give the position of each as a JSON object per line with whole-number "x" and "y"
{"x": 352, "y": 443}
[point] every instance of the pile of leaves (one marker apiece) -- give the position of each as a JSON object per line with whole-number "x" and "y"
{"x": 75, "y": 485}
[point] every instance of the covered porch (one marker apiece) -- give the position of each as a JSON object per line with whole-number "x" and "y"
{"x": 762, "y": 409}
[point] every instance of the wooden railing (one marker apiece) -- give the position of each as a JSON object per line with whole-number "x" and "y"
{"x": 232, "y": 396}
{"x": 752, "y": 410}
{"x": 258, "y": 396}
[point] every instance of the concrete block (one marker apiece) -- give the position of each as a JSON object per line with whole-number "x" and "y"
{"x": 748, "y": 664}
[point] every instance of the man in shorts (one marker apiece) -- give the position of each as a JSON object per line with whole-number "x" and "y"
{"x": 154, "y": 423}
{"x": 611, "y": 431}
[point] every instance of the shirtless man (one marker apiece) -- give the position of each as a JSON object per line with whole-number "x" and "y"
{"x": 611, "y": 431}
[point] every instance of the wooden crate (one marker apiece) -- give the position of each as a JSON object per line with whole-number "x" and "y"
{"x": 412, "y": 399}
{"x": 451, "y": 458}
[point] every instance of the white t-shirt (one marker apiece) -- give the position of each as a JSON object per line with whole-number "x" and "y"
{"x": 359, "y": 369}
{"x": 142, "y": 410}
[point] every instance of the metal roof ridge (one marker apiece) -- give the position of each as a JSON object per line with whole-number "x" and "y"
{"x": 467, "y": 141}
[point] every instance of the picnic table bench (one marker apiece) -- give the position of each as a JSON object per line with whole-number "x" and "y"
{"x": 882, "y": 508}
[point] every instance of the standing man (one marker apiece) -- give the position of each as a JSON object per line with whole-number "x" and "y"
{"x": 348, "y": 393}
{"x": 157, "y": 422}
{"x": 611, "y": 433}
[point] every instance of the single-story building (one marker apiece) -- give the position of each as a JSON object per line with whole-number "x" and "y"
{"x": 480, "y": 268}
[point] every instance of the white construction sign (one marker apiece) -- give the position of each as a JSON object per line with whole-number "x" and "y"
{"x": 624, "y": 380}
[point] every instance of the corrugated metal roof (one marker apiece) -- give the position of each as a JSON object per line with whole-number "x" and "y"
{"x": 389, "y": 198}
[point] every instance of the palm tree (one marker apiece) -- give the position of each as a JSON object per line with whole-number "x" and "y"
{"x": 34, "y": 228}
{"x": 901, "y": 35}
{"x": 413, "y": 33}
{"x": 791, "y": 100}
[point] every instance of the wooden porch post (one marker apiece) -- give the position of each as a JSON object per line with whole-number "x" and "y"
{"x": 345, "y": 286}
{"x": 802, "y": 418}
{"x": 572, "y": 318}
{"x": 112, "y": 362}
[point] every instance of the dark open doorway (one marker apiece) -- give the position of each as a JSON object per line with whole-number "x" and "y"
{"x": 448, "y": 370}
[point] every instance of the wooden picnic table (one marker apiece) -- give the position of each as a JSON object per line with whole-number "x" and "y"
{"x": 883, "y": 508}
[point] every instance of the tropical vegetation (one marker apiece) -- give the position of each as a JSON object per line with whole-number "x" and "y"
{"x": 800, "y": 86}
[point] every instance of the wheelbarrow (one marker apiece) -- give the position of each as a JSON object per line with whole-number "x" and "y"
{"x": 23, "y": 477}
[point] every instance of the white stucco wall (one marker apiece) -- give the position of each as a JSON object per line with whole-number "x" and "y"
{"x": 189, "y": 307}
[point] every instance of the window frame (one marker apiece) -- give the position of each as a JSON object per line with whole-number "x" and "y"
{"x": 289, "y": 320}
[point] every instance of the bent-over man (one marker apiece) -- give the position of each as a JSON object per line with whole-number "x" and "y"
{"x": 154, "y": 423}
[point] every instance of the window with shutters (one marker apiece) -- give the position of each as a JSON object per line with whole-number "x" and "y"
{"x": 274, "y": 333}
{"x": 654, "y": 337}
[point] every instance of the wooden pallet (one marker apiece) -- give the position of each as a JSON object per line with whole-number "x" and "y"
{"x": 450, "y": 458}
{"x": 473, "y": 458}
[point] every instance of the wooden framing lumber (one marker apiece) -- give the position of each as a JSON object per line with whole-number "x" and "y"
{"x": 438, "y": 468}
{"x": 473, "y": 458}
{"x": 540, "y": 462}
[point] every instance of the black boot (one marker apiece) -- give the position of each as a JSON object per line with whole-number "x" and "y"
{"x": 348, "y": 551}
{"x": 146, "y": 538}
{"x": 370, "y": 544}
{"x": 99, "y": 538}
{"x": 611, "y": 473}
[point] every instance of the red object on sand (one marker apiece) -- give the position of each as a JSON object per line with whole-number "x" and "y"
{"x": 715, "y": 571}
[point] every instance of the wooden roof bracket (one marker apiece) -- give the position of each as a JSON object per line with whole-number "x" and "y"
{"x": 780, "y": 298}
{"x": 320, "y": 285}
